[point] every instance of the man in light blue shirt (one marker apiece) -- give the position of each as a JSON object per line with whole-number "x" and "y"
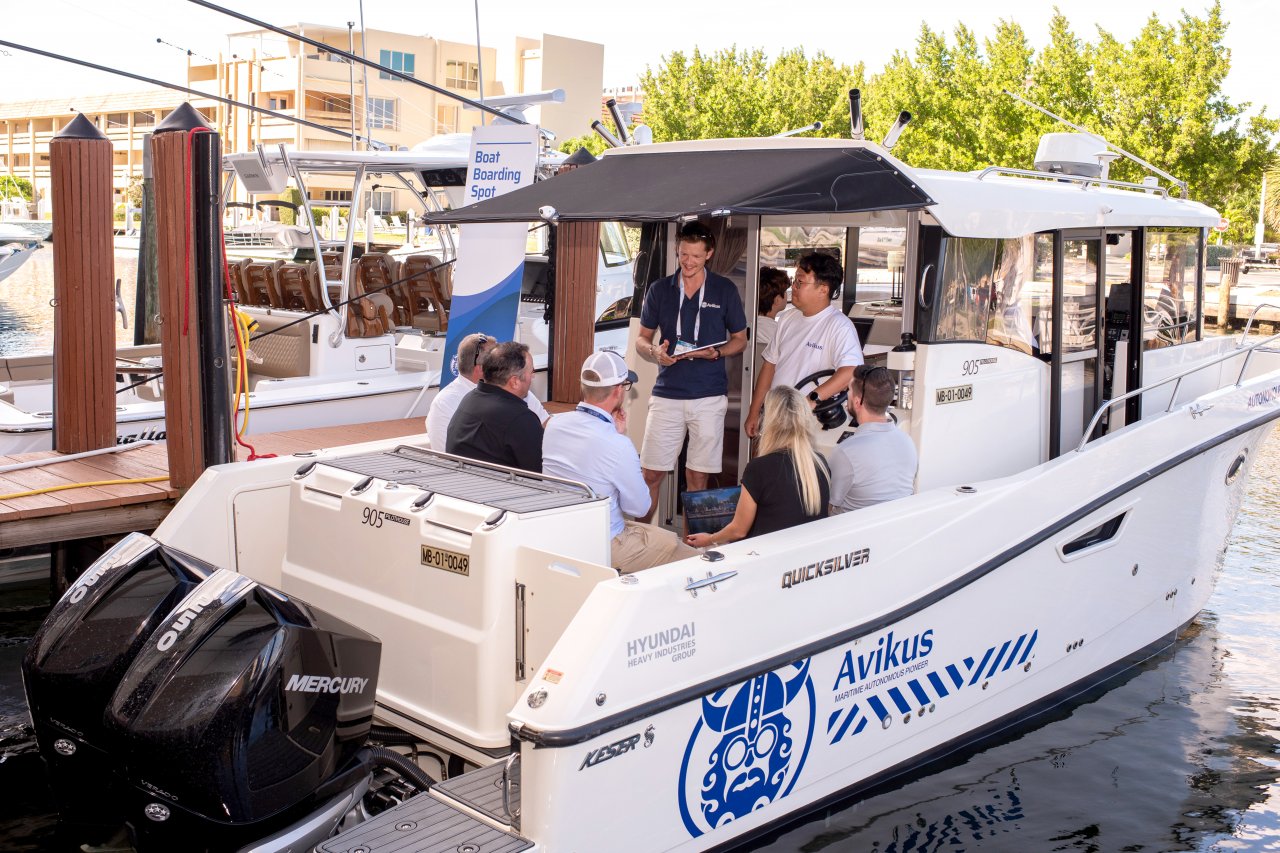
{"x": 878, "y": 462}
{"x": 590, "y": 445}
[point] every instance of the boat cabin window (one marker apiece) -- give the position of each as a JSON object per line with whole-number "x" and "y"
{"x": 782, "y": 246}
{"x": 613, "y": 245}
{"x": 993, "y": 291}
{"x": 882, "y": 253}
{"x": 1170, "y": 314}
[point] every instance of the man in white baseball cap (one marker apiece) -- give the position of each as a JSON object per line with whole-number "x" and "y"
{"x": 590, "y": 445}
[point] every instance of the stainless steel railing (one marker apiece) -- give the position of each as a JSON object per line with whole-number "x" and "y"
{"x": 1176, "y": 379}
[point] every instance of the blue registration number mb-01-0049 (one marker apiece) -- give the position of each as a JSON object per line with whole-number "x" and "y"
{"x": 954, "y": 394}
{"x": 450, "y": 561}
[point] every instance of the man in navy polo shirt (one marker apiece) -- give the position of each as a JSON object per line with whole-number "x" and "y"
{"x": 698, "y": 320}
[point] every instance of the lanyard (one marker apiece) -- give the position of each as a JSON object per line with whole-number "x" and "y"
{"x": 595, "y": 414}
{"x": 697, "y": 317}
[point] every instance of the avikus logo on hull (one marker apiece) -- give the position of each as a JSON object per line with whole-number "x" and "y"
{"x": 889, "y": 654}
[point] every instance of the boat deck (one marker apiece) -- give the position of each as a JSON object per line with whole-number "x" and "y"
{"x": 105, "y": 510}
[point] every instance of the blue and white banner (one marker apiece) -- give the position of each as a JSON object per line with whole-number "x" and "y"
{"x": 490, "y": 266}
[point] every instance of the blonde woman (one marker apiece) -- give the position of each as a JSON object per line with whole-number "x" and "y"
{"x": 787, "y": 484}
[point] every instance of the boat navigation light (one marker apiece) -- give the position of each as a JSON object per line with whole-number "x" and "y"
{"x": 603, "y": 132}
{"x": 891, "y": 138}
{"x": 855, "y": 114}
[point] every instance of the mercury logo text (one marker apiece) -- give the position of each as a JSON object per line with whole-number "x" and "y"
{"x": 325, "y": 684}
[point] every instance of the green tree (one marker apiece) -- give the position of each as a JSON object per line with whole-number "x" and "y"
{"x": 12, "y": 185}
{"x": 734, "y": 93}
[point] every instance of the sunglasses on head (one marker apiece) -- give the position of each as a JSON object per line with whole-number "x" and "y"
{"x": 862, "y": 371}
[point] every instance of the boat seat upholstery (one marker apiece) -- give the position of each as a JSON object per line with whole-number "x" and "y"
{"x": 295, "y": 288}
{"x": 425, "y": 285}
{"x": 260, "y": 283}
{"x": 376, "y": 275}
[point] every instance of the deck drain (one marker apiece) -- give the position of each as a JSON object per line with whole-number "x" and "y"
{"x": 406, "y": 826}
{"x": 468, "y": 848}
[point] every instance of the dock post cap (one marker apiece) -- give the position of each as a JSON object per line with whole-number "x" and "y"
{"x": 80, "y": 128}
{"x": 184, "y": 117}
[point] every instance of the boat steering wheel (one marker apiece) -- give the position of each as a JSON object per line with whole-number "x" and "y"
{"x": 830, "y": 413}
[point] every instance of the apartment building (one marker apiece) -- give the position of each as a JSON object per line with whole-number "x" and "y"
{"x": 286, "y": 76}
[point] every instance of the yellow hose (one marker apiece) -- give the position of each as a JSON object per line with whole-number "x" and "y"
{"x": 47, "y": 489}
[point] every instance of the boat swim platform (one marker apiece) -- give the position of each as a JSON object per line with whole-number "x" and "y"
{"x": 110, "y": 510}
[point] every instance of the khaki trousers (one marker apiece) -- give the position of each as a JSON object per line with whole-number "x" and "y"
{"x": 643, "y": 546}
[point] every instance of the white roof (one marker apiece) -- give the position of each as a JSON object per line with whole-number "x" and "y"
{"x": 969, "y": 204}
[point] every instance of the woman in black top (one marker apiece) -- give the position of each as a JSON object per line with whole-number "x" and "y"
{"x": 787, "y": 484}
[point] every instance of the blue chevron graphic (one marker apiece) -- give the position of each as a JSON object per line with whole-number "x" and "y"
{"x": 930, "y": 687}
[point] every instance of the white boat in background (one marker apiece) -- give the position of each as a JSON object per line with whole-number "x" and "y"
{"x": 14, "y": 252}
{"x": 315, "y": 360}
{"x": 14, "y": 215}
{"x": 1082, "y": 459}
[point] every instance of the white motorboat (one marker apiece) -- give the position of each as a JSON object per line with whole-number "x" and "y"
{"x": 13, "y": 254}
{"x": 314, "y": 361}
{"x": 15, "y": 216}
{"x": 1082, "y": 458}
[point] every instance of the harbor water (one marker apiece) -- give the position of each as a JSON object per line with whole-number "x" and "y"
{"x": 1179, "y": 754}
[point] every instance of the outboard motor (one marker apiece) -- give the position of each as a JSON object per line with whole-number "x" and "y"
{"x": 77, "y": 658}
{"x": 238, "y": 718}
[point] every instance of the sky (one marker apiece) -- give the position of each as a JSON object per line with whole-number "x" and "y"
{"x": 150, "y": 37}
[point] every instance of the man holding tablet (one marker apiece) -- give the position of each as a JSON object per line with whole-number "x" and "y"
{"x": 698, "y": 319}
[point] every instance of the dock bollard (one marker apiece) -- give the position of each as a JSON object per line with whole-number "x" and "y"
{"x": 84, "y": 347}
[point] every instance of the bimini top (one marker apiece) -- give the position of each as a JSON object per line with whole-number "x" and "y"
{"x": 711, "y": 177}
{"x": 822, "y": 177}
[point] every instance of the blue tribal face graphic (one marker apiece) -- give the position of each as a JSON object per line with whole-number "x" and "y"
{"x": 757, "y": 727}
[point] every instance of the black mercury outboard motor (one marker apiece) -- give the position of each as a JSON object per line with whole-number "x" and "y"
{"x": 238, "y": 718}
{"x": 76, "y": 661}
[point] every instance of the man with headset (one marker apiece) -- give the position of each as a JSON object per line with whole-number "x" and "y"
{"x": 816, "y": 336}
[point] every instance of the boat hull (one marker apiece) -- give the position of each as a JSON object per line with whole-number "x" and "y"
{"x": 956, "y": 636}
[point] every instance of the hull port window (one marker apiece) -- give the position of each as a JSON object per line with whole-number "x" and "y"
{"x": 1104, "y": 532}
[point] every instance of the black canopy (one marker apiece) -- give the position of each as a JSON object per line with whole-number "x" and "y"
{"x": 655, "y": 185}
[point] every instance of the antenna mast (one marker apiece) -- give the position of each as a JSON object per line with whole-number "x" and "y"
{"x": 1182, "y": 185}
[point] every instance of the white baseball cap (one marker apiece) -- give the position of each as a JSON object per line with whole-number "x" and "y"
{"x": 605, "y": 368}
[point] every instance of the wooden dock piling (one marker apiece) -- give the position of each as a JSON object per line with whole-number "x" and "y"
{"x": 184, "y": 279}
{"x": 84, "y": 346}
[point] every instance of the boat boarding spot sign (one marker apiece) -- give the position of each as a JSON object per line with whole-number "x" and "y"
{"x": 490, "y": 265}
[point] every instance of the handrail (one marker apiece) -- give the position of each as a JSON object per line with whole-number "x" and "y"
{"x": 1177, "y": 378}
{"x": 1083, "y": 180}
{"x": 1254, "y": 313}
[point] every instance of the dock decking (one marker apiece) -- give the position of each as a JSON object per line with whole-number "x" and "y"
{"x": 113, "y": 509}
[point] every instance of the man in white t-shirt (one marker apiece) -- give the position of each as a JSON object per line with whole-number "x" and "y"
{"x": 815, "y": 336}
{"x": 470, "y": 370}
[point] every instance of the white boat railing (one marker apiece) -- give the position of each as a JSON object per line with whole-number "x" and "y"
{"x": 1178, "y": 377}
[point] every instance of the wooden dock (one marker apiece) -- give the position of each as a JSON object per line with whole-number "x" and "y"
{"x": 108, "y": 510}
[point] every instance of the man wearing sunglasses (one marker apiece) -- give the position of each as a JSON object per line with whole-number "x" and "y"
{"x": 878, "y": 462}
{"x": 590, "y": 445}
{"x": 470, "y": 371}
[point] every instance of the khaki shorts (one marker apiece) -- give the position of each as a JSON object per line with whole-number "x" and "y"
{"x": 643, "y": 546}
{"x": 664, "y": 430}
